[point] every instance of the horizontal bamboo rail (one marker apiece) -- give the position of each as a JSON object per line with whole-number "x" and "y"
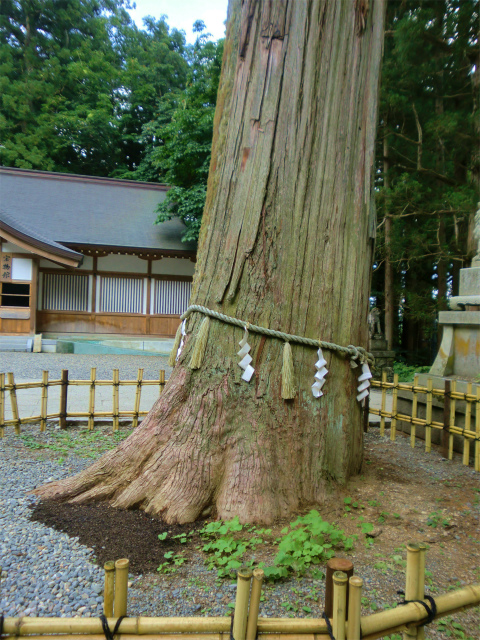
{"x": 408, "y": 618}
{"x": 373, "y": 626}
{"x": 450, "y": 397}
{"x": 63, "y": 414}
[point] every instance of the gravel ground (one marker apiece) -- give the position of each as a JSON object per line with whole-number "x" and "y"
{"x": 30, "y": 365}
{"x": 44, "y": 572}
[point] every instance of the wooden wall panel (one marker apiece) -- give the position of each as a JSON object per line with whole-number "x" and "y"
{"x": 164, "y": 325}
{"x": 15, "y": 326}
{"x": 58, "y": 322}
{"x": 98, "y": 323}
{"x": 122, "y": 323}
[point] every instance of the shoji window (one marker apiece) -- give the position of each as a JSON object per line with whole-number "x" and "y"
{"x": 121, "y": 295}
{"x": 171, "y": 296}
{"x": 65, "y": 292}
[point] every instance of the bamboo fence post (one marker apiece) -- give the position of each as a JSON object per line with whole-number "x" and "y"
{"x": 428, "y": 416}
{"x": 63, "y": 399}
{"x": 13, "y": 402}
{"x": 116, "y": 387}
{"x": 2, "y": 405}
{"x": 161, "y": 380}
{"x": 91, "y": 404}
{"x": 477, "y": 431}
{"x": 446, "y": 419}
{"x": 393, "y": 428}
{"x": 468, "y": 420}
{"x": 453, "y": 402}
{"x": 44, "y": 402}
{"x": 421, "y": 583}
{"x": 412, "y": 582}
{"x": 138, "y": 393}
{"x": 384, "y": 402}
{"x": 413, "y": 427}
{"x": 121, "y": 587}
{"x": 340, "y": 581}
{"x": 254, "y": 604}
{"x": 244, "y": 577}
{"x": 354, "y": 608}
{"x": 109, "y": 588}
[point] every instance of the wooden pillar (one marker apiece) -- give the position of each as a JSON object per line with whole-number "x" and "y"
{"x": 63, "y": 399}
{"x": 33, "y": 297}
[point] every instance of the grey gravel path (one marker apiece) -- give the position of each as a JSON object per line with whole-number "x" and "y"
{"x": 44, "y": 572}
{"x": 30, "y": 365}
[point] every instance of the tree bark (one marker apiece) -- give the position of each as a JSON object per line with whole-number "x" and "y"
{"x": 389, "y": 306}
{"x": 286, "y": 243}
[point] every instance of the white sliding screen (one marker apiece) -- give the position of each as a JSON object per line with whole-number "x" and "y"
{"x": 121, "y": 295}
{"x": 171, "y": 296}
{"x": 65, "y": 292}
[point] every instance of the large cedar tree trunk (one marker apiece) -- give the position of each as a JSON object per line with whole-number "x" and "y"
{"x": 286, "y": 242}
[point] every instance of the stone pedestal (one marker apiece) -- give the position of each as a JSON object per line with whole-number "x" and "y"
{"x": 384, "y": 358}
{"x": 459, "y": 352}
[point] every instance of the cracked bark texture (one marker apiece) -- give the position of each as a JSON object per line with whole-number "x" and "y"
{"x": 286, "y": 242}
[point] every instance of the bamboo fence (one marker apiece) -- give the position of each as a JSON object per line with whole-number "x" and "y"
{"x": 346, "y": 621}
{"x": 449, "y": 396}
{"x": 10, "y": 387}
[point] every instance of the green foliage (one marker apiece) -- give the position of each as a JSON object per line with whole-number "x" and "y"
{"x": 225, "y": 550}
{"x": 172, "y": 562}
{"x": 309, "y": 540}
{"x": 438, "y": 519}
{"x": 305, "y": 543}
{"x": 406, "y": 372}
{"x": 81, "y": 443}
{"x": 452, "y": 629}
{"x": 427, "y": 138}
{"x": 182, "y": 135}
{"x": 79, "y": 82}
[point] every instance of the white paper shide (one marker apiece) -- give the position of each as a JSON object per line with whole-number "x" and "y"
{"x": 182, "y": 341}
{"x": 246, "y": 358}
{"x": 320, "y": 375}
{"x": 364, "y": 381}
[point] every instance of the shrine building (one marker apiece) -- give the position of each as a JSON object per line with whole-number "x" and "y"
{"x": 83, "y": 255}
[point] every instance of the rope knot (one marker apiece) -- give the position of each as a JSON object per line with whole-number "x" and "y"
{"x": 354, "y": 355}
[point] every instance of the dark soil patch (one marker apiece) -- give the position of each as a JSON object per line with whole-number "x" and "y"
{"x": 114, "y": 533}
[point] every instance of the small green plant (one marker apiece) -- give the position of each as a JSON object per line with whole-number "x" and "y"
{"x": 309, "y": 540}
{"x": 172, "y": 561}
{"x": 438, "y": 519}
{"x": 225, "y": 549}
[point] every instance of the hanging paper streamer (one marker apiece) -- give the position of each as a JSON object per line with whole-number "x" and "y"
{"x": 364, "y": 380}
{"x": 175, "y": 352}
{"x": 320, "y": 375}
{"x": 246, "y": 358}
{"x": 182, "y": 341}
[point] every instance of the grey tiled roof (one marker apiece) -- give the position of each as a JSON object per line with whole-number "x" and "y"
{"x": 17, "y": 228}
{"x": 71, "y": 209}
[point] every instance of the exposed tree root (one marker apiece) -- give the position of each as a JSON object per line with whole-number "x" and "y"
{"x": 186, "y": 459}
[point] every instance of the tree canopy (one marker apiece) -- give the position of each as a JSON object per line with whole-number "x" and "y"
{"x": 427, "y": 160}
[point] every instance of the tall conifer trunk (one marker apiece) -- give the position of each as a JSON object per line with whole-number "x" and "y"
{"x": 286, "y": 242}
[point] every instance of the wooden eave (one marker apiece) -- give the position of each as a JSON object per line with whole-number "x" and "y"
{"x": 141, "y": 252}
{"x": 54, "y": 252}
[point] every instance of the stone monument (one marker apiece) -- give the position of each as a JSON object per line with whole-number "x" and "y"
{"x": 459, "y": 352}
{"x": 378, "y": 345}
